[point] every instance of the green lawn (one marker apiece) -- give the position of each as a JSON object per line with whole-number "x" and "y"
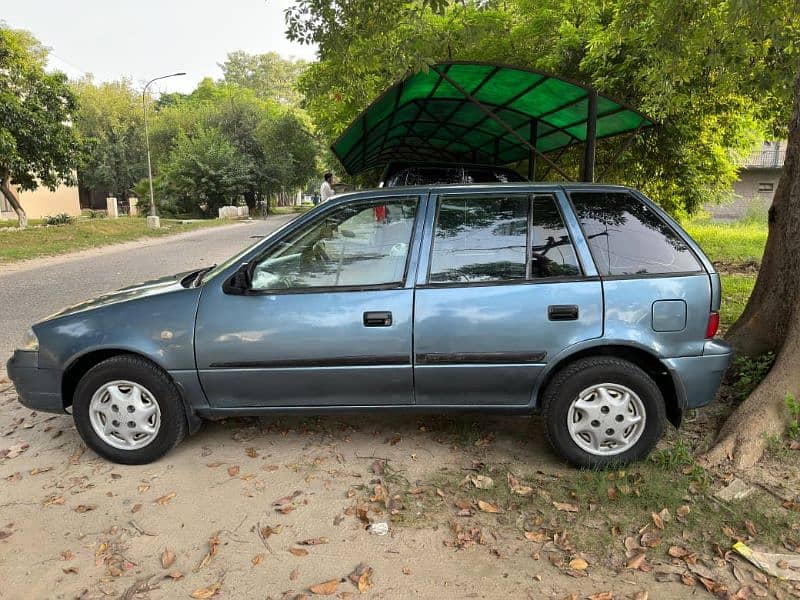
{"x": 729, "y": 242}
{"x": 36, "y": 241}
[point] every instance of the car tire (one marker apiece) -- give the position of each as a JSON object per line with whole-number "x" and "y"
{"x": 603, "y": 412}
{"x": 128, "y": 410}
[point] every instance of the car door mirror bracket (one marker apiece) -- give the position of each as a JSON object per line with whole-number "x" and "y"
{"x": 239, "y": 283}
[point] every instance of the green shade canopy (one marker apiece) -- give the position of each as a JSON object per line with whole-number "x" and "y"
{"x": 430, "y": 116}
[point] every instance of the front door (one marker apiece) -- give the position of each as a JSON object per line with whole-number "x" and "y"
{"x": 502, "y": 292}
{"x": 327, "y": 319}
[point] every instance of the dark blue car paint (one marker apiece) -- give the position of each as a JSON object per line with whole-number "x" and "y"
{"x": 487, "y": 347}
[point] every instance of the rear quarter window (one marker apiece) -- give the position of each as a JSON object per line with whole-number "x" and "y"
{"x": 626, "y": 237}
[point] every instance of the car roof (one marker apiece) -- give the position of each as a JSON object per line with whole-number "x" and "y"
{"x": 478, "y": 188}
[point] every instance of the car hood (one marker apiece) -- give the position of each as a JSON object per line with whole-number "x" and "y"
{"x": 153, "y": 287}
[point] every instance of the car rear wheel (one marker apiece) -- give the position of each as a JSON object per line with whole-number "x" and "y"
{"x": 128, "y": 410}
{"x": 603, "y": 412}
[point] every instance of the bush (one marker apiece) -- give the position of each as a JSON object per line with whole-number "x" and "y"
{"x": 96, "y": 214}
{"x": 59, "y": 219}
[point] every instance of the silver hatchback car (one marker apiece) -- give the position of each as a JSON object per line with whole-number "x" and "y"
{"x": 585, "y": 303}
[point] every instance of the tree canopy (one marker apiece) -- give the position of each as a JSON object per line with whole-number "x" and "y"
{"x": 709, "y": 72}
{"x": 110, "y": 122}
{"x": 269, "y": 75}
{"x": 38, "y": 145}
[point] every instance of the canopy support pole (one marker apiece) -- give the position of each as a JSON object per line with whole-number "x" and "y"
{"x": 532, "y": 155}
{"x": 587, "y": 174}
{"x": 502, "y": 123}
{"x": 622, "y": 149}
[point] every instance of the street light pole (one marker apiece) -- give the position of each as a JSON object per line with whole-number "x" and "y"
{"x": 152, "y": 218}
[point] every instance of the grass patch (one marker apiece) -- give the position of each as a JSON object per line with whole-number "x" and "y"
{"x": 736, "y": 242}
{"x": 36, "y": 241}
{"x": 736, "y": 290}
{"x": 597, "y": 510}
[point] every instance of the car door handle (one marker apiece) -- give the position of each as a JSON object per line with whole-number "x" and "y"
{"x": 378, "y": 319}
{"x": 562, "y": 312}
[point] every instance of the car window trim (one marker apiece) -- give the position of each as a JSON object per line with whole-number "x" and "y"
{"x": 607, "y": 277}
{"x": 390, "y": 285}
{"x": 531, "y": 195}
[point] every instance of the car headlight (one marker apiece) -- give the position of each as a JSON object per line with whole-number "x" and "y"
{"x": 29, "y": 341}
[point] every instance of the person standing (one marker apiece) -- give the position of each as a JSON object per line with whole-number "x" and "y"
{"x": 326, "y": 189}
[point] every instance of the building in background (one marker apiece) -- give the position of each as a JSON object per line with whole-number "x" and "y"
{"x": 42, "y": 202}
{"x": 758, "y": 180}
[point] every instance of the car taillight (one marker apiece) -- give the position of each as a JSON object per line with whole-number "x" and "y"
{"x": 713, "y": 325}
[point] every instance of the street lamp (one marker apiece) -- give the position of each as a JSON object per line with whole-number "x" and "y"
{"x": 152, "y": 219}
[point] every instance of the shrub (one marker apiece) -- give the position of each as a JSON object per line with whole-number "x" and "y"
{"x": 59, "y": 219}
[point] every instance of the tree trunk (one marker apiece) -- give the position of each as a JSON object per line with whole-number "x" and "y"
{"x": 13, "y": 200}
{"x": 771, "y": 320}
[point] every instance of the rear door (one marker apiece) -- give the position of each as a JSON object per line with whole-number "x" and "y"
{"x": 500, "y": 290}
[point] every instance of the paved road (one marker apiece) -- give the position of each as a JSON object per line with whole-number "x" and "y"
{"x": 31, "y": 291}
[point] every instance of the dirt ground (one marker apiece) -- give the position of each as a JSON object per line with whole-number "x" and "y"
{"x": 228, "y": 511}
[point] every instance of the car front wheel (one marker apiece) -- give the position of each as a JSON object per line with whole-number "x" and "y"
{"x": 128, "y": 410}
{"x": 603, "y": 412}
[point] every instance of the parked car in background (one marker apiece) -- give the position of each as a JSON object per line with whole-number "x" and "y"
{"x": 584, "y": 303}
{"x": 401, "y": 173}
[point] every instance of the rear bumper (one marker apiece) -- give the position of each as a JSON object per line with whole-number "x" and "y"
{"x": 697, "y": 378}
{"x": 38, "y": 389}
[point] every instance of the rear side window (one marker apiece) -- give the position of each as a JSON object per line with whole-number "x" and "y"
{"x": 627, "y": 238}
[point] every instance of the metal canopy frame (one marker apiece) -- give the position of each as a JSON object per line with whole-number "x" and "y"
{"x": 517, "y": 114}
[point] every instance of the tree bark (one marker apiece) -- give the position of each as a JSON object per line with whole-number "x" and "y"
{"x": 13, "y": 200}
{"x": 771, "y": 320}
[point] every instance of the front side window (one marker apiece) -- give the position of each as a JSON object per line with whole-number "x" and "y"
{"x": 627, "y": 238}
{"x": 359, "y": 244}
{"x": 500, "y": 238}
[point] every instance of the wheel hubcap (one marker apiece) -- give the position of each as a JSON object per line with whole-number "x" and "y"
{"x": 606, "y": 419}
{"x": 125, "y": 415}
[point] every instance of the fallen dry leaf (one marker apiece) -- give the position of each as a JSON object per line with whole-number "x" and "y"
{"x": 84, "y": 508}
{"x": 326, "y": 588}
{"x": 636, "y": 562}
{"x": 143, "y": 488}
{"x": 67, "y": 555}
{"x": 578, "y": 564}
{"x": 251, "y": 452}
{"x": 601, "y": 596}
{"x": 539, "y": 537}
{"x": 294, "y": 574}
{"x": 233, "y": 471}
{"x": 641, "y": 596}
{"x": 657, "y": 520}
{"x": 175, "y": 575}
{"x": 166, "y": 499}
{"x": 488, "y": 507}
{"x": 482, "y": 482}
{"x": 257, "y": 559}
{"x": 360, "y": 577}
{"x": 213, "y": 542}
{"x": 298, "y": 551}
{"x": 566, "y": 506}
{"x": 314, "y": 541}
{"x": 207, "y": 592}
{"x": 677, "y": 552}
{"x": 167, "y": 558}
{"x": 14, "y": 451}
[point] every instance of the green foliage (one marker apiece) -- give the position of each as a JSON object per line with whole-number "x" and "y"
{"x": 111, "y": 124}
{"x": 793, "y": 406}
{"x": 269, "y": 75}
{"x": 96, "y": 214}
{"x": 271, "y": 142}
{"x": 716, "y": 74}
{"x": 37, "y": 144}
{"x": 676, "y": 457}
{"x": 749, "y": 371}
{"x": 206, "y": 170}
{"x": 59, "y": 219}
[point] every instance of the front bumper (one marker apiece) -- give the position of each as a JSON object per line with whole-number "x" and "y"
{"x": 38, "y": 389}
{"x": 697, "y": 378}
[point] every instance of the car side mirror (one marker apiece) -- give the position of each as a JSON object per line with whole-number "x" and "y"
{"x": 238, "y": 283}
